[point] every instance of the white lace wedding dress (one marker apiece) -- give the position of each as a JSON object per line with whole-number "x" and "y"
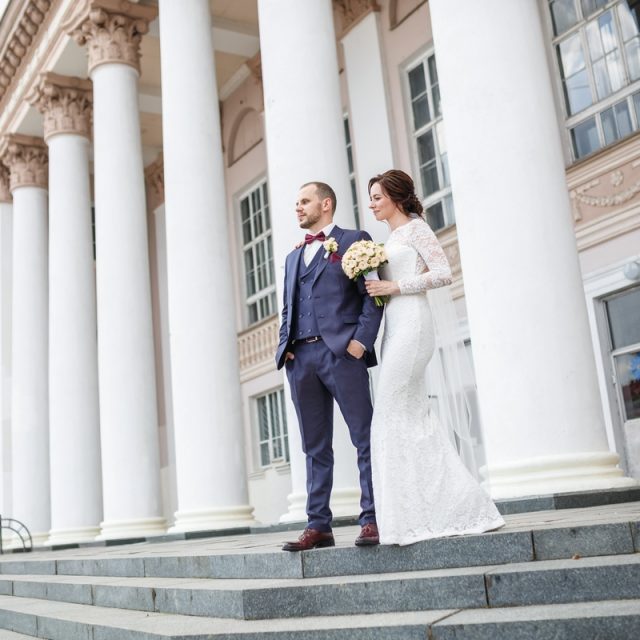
{"x": 421, "y": 487}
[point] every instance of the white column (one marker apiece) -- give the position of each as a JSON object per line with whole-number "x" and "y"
{"x": 6, "y": 236}
{"x": 532, "y": 349}
{"x": 74, "y": 432}
{"x": 128, "y": 409}
{"x": 212, "y": 484}
{"x": 305, "y": 142}
{"x": 27, "y": 160}
{"x": 369, "y": 112}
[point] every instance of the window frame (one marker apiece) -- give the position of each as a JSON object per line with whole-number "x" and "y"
{"x": 598, "y": 107}
{"x": 445, "y": 194}
{"x": 283, "y": 437}
{"x": 247, "y": 300}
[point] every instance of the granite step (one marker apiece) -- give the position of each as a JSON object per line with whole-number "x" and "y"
{"x": 544, "y": 582}
{"x": 62, "y": 621}
{"x": 502, "y": 547}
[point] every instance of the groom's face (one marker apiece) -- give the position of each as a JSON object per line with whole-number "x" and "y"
{"x": 309, "y": 207}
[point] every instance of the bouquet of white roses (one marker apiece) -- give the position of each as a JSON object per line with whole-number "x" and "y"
{"x": 364, "y": 258}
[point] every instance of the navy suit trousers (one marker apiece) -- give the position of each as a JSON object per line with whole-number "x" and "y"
{"x": 317, "y": 376}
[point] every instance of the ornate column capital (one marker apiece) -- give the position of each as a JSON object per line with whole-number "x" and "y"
{"x": 111, "y": 30}
{"x": 352, "y": 11}
{"x": 27, "y": 160}
{"x": 5, "y": 191}
{"x": 65, "y": 102}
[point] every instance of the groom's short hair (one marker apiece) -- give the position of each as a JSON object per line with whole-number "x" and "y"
{"x": 324, "y": 191}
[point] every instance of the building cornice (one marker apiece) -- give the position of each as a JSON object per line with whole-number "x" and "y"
{"x": 19, "y": 29}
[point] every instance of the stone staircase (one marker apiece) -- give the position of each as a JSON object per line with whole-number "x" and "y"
{"x": 573, "y": 573}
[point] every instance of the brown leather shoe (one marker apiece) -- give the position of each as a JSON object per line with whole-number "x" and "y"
{"x": 311, "y": 539}
{"x": 368, "y": 535}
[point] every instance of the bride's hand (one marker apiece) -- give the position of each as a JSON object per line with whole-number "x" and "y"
{"x": 382, "y": 287}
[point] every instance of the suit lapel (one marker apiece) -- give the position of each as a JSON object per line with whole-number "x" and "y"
{"x": 336, "y": 234}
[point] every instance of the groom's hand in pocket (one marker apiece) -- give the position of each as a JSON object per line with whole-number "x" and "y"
{"x": 355, "y": 349}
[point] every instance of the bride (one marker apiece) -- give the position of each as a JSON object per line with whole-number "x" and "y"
{"x": 421, "y": 487}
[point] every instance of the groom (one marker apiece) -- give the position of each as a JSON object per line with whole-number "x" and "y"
{"x": 329, "y": 325}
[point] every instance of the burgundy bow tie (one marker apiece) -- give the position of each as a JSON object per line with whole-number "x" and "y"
{"x": 308, "y": 238}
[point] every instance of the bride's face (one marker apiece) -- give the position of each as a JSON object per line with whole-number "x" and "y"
{"x": 381, "y": 204}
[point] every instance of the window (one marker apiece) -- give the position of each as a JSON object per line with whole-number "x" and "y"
{"x": 272, "y": 428}
{"x": 597, "y": 44}
{"x": 257, "y": 250}
{"x": 352, "y": 172}
{"x": 430, "y": 147}
{"x": 623, "y": 314}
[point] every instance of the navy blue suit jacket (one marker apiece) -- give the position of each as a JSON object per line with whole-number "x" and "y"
{"x": 344, "y": 311}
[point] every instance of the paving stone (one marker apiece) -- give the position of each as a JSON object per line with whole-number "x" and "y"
{"x": 365, "y": 597}
{"x": 200, "y": 602}
{"x": 525, "y": 505}
{"x": 582, "y": 499}
{"x": 635, "y": 532}
{"x": 250, "y": 565}
{"x": 591, "y": 621}
{"x": 124, "y": 597}
{"x": 19, "y": 622}
{"x": 596, "y": 540}
{"x": 101, "y": 567}
{"x": 564, "y": 581}
{"x": 29, "y": 567}
{"x": 488, "y": 549}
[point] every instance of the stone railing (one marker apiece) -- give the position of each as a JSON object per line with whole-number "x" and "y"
{"x": 257, "y": 348}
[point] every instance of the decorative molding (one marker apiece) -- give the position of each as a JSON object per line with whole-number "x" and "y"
{"x": 256, "y": 347}
{"x": 397, "y": 15}
{"x": 605, "y": 182}
{"x": 66, "y": 103}
{"x": 111, "y": 30}
{"x": 5, "y": 190}
{"x": 255, "y": 66}
{"x": 154, "y": 182}
{"x": 352, "y": 11}
{"x": 27, "y": 160}
{"x": 24, "y": 21}
{"x": 249, "y": 123}
{"x": 608, "y": 227}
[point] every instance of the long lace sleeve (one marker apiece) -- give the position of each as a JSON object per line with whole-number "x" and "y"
{"x": 432, "y": 266}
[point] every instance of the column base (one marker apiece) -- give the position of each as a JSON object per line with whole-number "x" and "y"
{"x": 555, "y": 474}
{"x": 344, "y": 502}
{"x": 139, "y": 528}
{"x": 39, "y": 539}
{"x": 69, "y": 536}
{"x": 212, "y": 519}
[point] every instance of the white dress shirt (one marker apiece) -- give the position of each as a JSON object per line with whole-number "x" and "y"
{"x": 311, "y": 249}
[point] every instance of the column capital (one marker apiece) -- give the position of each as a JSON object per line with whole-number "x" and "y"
{"x": 352, "y": 11}
{"x": 111, "y": 30}
{"x": 27, "y": 160}
{"x": 5, "y": 191}
{"x": 65, "y": 102}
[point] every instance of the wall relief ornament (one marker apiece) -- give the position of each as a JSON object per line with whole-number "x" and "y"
{"x": 27, "y": 160}
{"x": 154, "y": 181}
{"x": 5, "y": 191}
{"x": 352, "y": 11}
{"x": 111, "y": 30}
{"x": 24, "y": 22}
{"x": 66, "y": 103}
{"x": 580, "y": 196}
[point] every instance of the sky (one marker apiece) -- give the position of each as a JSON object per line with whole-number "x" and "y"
{"x": 3, "y": 6}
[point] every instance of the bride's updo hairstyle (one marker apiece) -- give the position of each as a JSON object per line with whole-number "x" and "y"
{"x": 399, "y": 188}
